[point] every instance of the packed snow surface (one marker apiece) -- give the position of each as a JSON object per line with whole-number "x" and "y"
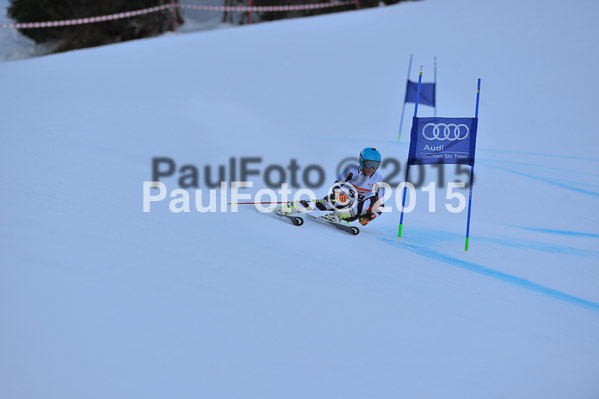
{"x": 99, "y": 299}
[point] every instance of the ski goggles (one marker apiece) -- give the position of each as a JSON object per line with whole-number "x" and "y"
{"x": 371, "y": 164}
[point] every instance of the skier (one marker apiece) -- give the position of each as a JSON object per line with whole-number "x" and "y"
{"x": 353, "y": 181}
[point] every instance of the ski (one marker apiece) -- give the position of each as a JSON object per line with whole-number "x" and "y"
{"x": 295, "y": 220}
{"x": 343, "y": 227}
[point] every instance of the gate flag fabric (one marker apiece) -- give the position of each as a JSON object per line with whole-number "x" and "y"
{"x": 443, "y": 141}
{"x": 427, "y": 93}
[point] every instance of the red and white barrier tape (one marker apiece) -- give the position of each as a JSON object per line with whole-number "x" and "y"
{"x": 267, "y": 8}
{"x": 90, "y": 20}
{"x": 129, "y": 14}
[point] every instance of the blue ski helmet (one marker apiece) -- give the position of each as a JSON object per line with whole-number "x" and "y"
{"x": 370, "y": 158}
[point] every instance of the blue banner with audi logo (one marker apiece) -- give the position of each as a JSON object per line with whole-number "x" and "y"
{"x": 443, "y": 140}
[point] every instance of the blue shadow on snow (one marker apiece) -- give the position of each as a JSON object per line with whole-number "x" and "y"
{"x": 560, "y": 232}
{"x": 485, "y": 271}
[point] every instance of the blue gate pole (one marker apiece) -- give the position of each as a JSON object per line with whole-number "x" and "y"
{"x": 403, "y": 200}
{"x": 404, "y": 99}
{"x": 471, "y": 177}
{"x": 418, "y": 92}
{"x": 435, "y": 90}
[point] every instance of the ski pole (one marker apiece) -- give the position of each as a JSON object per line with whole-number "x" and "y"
{"x": 259, "y": 203}
{"x": 280, "y": 202}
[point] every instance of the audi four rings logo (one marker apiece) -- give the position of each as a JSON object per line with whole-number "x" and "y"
{"x": 450, "y": 131}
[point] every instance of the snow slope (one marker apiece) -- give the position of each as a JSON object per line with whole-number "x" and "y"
{"x": 99, "y": 299}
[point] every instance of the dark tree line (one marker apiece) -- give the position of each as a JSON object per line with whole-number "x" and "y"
{"x": 152, "y": 24}
{"x": 94, "y": 34}
{"x": 235, "y": 18}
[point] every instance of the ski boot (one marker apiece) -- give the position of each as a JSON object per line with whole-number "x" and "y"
{"x": 366, "y": 218}
{"x": 338, "y": 216}
{"x": 288, "y": 209}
